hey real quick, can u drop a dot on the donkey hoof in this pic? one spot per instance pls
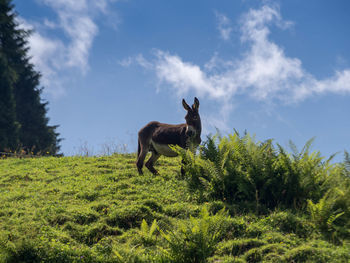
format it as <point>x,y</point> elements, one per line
<point>183,173</point>
<point>154,171</point>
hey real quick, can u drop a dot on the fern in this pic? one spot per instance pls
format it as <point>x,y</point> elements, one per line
<point>327,211</point>
<point>148,233</point>
<point>306,149</point>
<point>196,241</point>
<point>347,163</point>
<point>332,218</point>
<point>242,171</point>
<point>294,149</point>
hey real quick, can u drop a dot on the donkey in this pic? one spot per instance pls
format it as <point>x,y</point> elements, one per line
<point>156,137</point>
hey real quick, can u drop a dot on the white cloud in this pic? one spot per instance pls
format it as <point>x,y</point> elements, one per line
<point>76,21</point>
<point>67,5</point>
<point>183,76</point>
<point>81,30</point>
<point>264,72</point>
<point>224,26</point>
<point>47,56</point>
<point>52,55</point>
<point>138,59</point>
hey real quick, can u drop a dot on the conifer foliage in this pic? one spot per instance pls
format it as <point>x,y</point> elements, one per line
<point>23,121</point>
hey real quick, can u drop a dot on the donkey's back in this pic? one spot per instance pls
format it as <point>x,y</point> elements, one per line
<point>156,137</point>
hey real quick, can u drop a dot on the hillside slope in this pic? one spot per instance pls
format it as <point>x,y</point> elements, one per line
<point>98,209</point>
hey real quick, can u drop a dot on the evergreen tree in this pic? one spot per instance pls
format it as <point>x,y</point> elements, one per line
<point>35,134</point>
<point>8,124</point>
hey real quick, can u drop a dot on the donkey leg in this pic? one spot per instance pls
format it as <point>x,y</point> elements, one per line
<point>141,159</point>
<point>151,162</point>
<point>183,163</point>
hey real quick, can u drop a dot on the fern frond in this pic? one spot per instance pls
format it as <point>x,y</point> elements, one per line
<point>144,227</point>
<point>306,149</point>
<point>211,169</point>
<point>204,182</point>
<point>224,159</point>
<point>347,162</point>
<point>295,151</point>
<point>331,157</point>
<point>153,227</point>
<point>116,253</point>
<point>332,218</point>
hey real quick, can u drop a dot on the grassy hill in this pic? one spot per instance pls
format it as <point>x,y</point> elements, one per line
<point>98,209</point>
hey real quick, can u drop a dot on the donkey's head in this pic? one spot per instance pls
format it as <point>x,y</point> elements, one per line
<point>193,120</point>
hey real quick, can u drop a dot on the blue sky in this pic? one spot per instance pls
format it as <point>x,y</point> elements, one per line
<point>278,69</point>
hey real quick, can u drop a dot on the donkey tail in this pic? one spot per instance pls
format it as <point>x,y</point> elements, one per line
<point>138,148</point>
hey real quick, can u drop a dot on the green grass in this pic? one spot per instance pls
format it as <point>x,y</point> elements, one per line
<point>98,209</point>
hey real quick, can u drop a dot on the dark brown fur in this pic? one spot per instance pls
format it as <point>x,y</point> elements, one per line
<point>156,136</point>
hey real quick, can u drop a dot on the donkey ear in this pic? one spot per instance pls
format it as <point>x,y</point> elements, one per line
<point>186,106</point>
<point>195,106</point>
